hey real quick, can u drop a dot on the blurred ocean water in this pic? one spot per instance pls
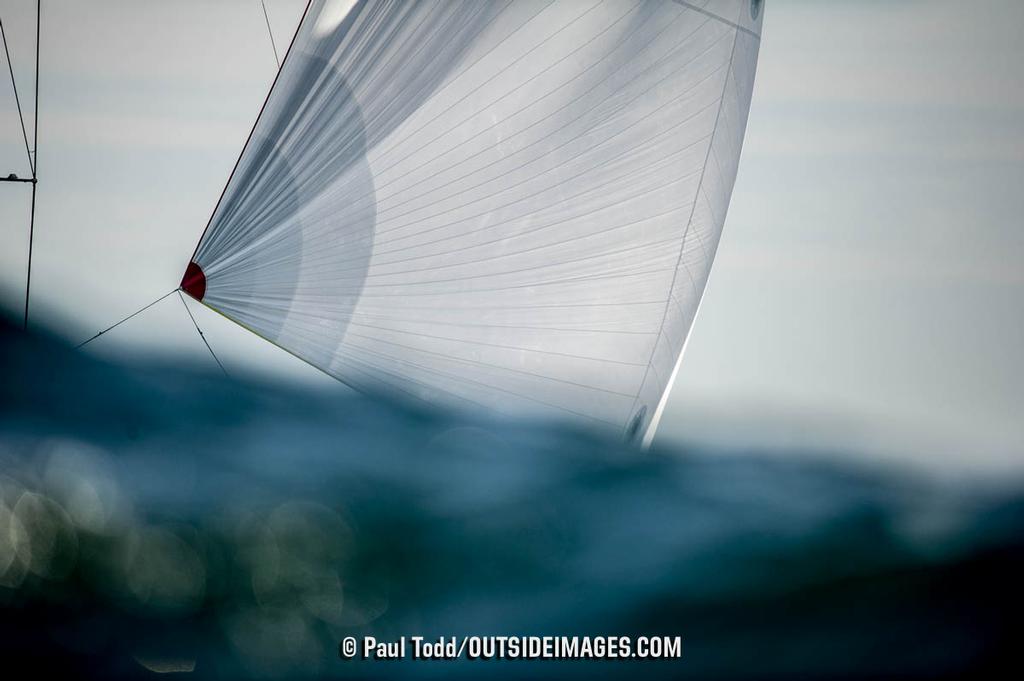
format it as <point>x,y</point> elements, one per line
<point>158,518</point>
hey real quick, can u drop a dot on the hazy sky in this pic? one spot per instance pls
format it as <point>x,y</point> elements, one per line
<point>869,287</point>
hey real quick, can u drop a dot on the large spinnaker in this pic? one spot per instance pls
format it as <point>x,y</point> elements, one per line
<point>512,205</point>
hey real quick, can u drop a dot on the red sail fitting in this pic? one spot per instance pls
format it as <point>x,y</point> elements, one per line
<point>194,281</point>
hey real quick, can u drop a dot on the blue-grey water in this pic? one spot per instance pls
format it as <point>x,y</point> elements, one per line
<point>155,517</point>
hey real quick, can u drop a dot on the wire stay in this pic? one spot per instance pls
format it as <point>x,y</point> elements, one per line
<point>273,45</point>
<point>34,157</point>
<point>17,99</point>
<point>113,326</point>
<point>196,324</point>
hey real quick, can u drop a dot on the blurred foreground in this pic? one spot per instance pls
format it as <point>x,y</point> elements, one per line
<point>157,518</point>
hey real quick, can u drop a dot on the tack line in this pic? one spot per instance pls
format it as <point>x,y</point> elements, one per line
<point>149,305</point>
<point>133,314</point>
<point>201,335</point>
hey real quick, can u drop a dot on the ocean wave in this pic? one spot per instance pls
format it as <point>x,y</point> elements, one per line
<point>155,517</point>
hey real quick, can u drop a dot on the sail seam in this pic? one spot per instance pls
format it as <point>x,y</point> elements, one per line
<point>714,16</point>
<point>689,222</point>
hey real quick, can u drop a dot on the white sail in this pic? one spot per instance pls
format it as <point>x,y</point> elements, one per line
<point>509,204</point>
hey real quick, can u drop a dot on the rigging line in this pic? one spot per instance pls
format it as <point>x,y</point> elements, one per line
<point>273,45</point>
<point>17,99</point>
<point>248,139</point>
<point>35,124</point>
<point>196,324</point>
<point>133,314</point>
<point>28,269</point>
<point>35,164</point>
